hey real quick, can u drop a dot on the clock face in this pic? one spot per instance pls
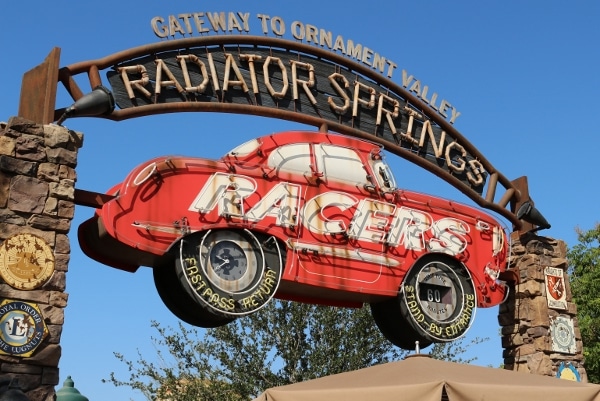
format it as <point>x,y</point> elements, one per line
<point>228,260</point>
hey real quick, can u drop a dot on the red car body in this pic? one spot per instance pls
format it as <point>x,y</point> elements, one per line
<point>302,216</point>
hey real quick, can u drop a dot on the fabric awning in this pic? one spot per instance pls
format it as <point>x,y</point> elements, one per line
<point>422,378</point>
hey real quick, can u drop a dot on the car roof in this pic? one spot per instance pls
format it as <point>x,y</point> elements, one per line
<point>268,143</point>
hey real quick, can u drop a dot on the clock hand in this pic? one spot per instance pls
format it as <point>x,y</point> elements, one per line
<point>225,262</point>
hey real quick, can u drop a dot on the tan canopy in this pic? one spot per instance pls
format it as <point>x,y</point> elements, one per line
<point>421,378</point>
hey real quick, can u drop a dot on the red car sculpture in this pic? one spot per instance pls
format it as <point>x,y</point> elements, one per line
<point>302,216</point>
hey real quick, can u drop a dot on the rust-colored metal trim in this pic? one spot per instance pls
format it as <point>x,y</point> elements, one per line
<point>513,193</point>
<point>523,187</point>
<point>91,199</point>
<point>511,275</point>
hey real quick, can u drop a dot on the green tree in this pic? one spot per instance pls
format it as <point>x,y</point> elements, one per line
<point>584,269</point>
<point>284,343</point>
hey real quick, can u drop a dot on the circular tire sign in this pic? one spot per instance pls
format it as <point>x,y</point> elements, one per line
<point>230,273</point>
<point>438,299</point>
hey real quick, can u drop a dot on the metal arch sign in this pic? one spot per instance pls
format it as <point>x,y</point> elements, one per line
<point>319,79</point>
<point>266,80</point>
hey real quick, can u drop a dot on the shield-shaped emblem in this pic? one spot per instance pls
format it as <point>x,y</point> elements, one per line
<point>555,286</point>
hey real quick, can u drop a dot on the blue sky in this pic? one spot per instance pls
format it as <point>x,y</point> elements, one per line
<point>524,76</point>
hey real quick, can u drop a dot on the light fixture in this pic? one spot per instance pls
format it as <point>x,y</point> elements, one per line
<point>527,212</point>
<point>96,103</point>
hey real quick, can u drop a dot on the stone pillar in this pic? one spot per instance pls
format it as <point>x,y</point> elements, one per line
<point>37,184</point>
<point>540,333</point>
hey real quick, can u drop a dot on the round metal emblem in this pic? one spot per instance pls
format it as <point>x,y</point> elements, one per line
<point>26,261</point>
<point>563,335</point>
<point>22,328</point>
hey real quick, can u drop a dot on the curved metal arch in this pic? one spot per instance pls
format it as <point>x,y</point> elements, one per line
<point>515,192</point>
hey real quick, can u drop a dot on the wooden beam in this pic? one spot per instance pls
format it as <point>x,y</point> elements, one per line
<point>38,90</point>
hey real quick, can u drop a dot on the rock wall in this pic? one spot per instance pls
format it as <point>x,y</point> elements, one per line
<point>540,333</point>
<point>37,182</point>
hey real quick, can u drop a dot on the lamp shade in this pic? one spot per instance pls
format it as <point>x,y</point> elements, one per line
<point>69,393</point>
<point>98,102</point>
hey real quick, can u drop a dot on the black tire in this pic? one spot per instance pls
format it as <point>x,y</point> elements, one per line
<point>178,301</point>
<point>436,303</point>
<point>231,273</point>
<point>439,298</point>
<point>395,327</point>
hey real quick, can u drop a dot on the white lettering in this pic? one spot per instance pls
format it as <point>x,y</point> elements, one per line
<point>228,191</point>
<point>449,236</point>
<point>314,219</point>
<point>368,220</point>
<point>281,202</point>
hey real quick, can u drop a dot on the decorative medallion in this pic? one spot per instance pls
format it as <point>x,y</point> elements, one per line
<point>556,293</point>
<point>567,371</point>
<point>563,335</point>
<point>26,261</point>
<point>22,328</point>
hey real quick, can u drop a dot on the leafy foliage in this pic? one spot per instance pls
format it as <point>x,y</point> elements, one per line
<point>584,262</point>
<point>284,343</point>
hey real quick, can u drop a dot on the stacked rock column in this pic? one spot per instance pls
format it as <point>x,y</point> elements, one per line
<point>540,333</point>
<point>37,185</point>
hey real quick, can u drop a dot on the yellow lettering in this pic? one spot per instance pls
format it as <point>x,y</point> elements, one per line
<point>475,176</point>
<point>284,78</point>
<point>379,62</point>
<point>311,33</point>
<point>175,26</point>
<point>217,21</point>
<point>444,106</point>
<point>161,67</point>
<point>229,65</point>
<point>368,104</point>
<point>213,72</point>
<point>427,130</point>
<point>352,50</point>
<point>159,29</point>
<point>306,84</point>
<point>183,60</point>
<point>233,23</point>
<point>277,26</point>
<point>186,20</point>
<point>390,115</point>
<point>325,38</point>
<point>452,164</point>
<point>250,59</point>
<point>200,22</point>
<point>339,44</point>
<point>367,54</point>
<point>263,22</point>
<point>137,84</point>
<point>333,79</point>
<point>298,30</point>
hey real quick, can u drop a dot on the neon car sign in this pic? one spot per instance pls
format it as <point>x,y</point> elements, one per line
<point>303,216</point>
